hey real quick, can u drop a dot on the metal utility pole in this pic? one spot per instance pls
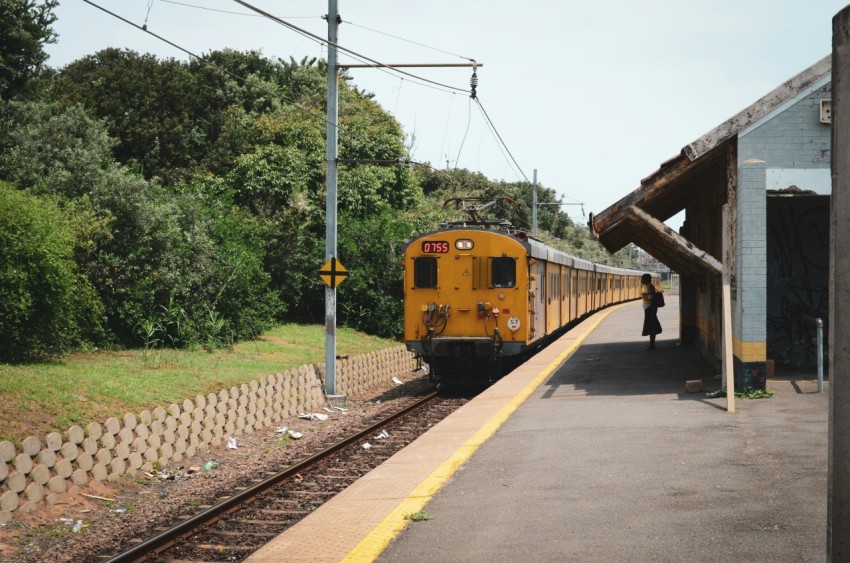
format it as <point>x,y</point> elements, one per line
<point>330,209</point>
<point>333,272</point>
<point>534,205</point>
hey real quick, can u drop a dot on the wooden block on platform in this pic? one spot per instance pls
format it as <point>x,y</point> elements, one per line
<point>693,385</point>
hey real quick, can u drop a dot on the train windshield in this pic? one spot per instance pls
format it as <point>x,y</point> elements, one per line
<point>503,272</point>
<point>425,272</point>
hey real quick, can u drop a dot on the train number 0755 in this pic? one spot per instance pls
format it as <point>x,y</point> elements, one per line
<point>435,247</point>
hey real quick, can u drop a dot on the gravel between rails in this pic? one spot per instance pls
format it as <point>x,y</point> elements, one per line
<point>141,504</point>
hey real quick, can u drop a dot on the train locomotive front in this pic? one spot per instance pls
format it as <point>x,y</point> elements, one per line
<point>466,309</point>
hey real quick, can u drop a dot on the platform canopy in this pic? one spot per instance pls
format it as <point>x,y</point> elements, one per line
<point>701,178</point>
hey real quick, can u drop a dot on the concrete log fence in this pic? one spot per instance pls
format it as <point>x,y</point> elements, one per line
<point>44,468</point>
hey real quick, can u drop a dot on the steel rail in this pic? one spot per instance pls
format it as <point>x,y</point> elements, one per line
<point>154,546</point>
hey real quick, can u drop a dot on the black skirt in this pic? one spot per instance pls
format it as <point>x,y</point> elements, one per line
<point>650,321</point>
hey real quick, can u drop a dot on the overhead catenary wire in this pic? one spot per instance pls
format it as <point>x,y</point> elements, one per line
<point>344,49</point>
<point>501,147</point>
<point>241,79</point>
<point>147,15</point>
<point>410,41</point>
<point>465,133</point>
<point>231,12</point>
<point>491,126</point>
<point>309,111</point>
<point>501,141</point>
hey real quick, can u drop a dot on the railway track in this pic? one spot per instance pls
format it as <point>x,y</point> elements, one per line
<point>240,524</point>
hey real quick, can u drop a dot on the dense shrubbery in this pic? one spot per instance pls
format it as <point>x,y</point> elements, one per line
<point>47,306</point>
<point>182,207</point>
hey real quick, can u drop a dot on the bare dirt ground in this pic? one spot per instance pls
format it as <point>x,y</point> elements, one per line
<point>110,513</point>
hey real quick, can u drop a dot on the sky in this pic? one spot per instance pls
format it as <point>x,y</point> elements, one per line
<point>592,94</point>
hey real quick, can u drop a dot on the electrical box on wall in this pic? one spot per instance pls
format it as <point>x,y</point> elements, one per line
<point>826,111</point>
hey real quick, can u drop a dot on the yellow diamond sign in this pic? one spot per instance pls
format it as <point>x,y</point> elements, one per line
<point>333,273</point>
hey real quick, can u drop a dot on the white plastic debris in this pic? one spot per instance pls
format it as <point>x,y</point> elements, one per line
<point>397,381</point>
<point>327,409</point>
<point>383,434</point>
<point>312,416</point>
<point>367,445</point>
<point>232,443</point>
<point>281,429</point>
<point>295,434</point>
<point>77,527</point>
<point>341,409</point>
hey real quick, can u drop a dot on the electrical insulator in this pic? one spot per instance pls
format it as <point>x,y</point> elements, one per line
<point>473,83</point>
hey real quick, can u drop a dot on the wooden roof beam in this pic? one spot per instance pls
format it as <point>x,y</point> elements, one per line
<point>678,245</point>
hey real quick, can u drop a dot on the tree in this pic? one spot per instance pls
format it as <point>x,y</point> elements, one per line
<point>54,150</point>
<point>146,104</point>
<point>180,261</point>
<point>371,297</point>
<point>46,306</point>
<point>25,29</point>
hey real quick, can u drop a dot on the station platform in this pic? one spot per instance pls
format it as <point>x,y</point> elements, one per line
<point>593,451</point>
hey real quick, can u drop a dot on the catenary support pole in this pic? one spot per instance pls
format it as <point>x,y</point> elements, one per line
<point>728,363</point>
<point>534,205</point>
<point>838,480</point>
<point>330,209</point>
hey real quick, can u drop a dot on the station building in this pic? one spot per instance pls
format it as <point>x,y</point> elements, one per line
<point>768,167</point>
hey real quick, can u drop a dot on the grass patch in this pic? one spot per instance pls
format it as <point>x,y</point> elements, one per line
<point>420,516</point>
<point>748,393</point>
<point>43,397</point>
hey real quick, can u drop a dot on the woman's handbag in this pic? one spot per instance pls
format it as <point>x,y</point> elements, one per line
<point>658,299</point>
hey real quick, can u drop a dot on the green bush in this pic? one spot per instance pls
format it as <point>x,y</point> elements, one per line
<point>46,305</point>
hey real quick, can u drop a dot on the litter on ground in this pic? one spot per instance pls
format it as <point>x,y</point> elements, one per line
<point>312,416</point>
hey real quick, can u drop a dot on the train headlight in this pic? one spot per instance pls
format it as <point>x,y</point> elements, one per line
<point>464,244</point>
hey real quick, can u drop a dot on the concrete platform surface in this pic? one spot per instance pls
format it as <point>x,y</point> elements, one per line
<point>593,451</point>
<point>610,460</point>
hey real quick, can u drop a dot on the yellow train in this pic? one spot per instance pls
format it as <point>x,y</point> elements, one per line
<point>478,298</point>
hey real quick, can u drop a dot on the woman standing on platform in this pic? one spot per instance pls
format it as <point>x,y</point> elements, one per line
<point>651,326</point>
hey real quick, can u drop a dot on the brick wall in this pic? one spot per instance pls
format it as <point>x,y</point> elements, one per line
<point>790,138</point>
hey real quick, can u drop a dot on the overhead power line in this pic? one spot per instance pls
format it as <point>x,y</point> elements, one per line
<point>309,111</point>
<point>502,146</point>
<point>231,12</point>
<point>502,141</point>
<point>409,41</point>
<point>351,52</point>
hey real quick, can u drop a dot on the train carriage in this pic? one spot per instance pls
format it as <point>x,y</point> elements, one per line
<point>480,297</point>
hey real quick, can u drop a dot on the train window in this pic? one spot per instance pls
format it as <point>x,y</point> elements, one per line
<point>425,272</point>
<point>503,272</point>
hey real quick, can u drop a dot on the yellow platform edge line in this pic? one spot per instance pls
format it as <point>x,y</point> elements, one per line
<point>381,535</point>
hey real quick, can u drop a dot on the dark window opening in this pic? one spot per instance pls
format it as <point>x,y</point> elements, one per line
<point>425,272</point>
<point>503,272</point>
